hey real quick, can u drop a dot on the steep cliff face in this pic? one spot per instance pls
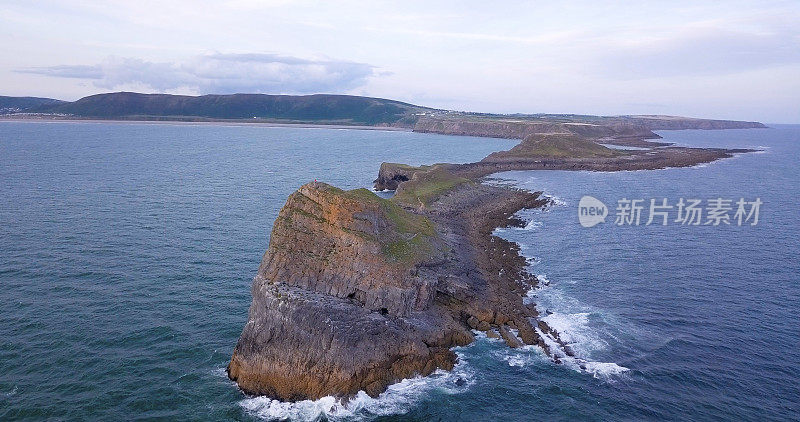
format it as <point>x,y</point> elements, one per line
<point>353,245</point>
<point>343,300</point>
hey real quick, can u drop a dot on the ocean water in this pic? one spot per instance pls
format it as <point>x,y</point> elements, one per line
<point>127,251</point>
<point>677,322</point>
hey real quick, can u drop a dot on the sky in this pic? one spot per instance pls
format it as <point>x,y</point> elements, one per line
<point>713,59</point>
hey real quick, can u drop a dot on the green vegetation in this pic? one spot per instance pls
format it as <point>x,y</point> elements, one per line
<point>560,146</point>
<point>409,251</point>
<point>14,104</point>
<point>426,187</point>
<point>412,239</point>
<point>319,108</point>
<point>404,221</point>
<point>411,168</point>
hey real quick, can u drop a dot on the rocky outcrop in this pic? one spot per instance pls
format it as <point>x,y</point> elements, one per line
<point>557,152</point>
<point>655,122</point>
<point>354,245</point>
<point>391,175</point>
<point>520,128</point>
<point>355,292</point>
<point>619,128</point>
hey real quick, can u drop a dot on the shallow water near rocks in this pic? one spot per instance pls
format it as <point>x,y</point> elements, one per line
<point>127,250</point>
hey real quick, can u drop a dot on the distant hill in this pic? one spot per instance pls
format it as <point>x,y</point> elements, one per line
<point>348,110</point>
<point>21,104</point>
<point>298,108</point>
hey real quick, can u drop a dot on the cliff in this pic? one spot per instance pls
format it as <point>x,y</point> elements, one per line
<point>656,122</point>
<point>356,292</point>
<point>520,128</point>
<point>619,129</point>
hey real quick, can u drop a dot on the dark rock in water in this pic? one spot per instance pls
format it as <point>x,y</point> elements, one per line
<point>460,381</point>
<point>509,337</point>
<point>528,334</point>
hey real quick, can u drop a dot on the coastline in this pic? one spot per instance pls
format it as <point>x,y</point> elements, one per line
<point>210,122</point>
<point>402,281</point>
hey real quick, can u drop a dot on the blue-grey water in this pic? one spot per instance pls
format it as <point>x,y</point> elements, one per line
<point>127,250</point>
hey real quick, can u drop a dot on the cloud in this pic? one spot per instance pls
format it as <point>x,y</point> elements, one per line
<point>702,51</point>
<point>66,71</point>
<point>221,74</point>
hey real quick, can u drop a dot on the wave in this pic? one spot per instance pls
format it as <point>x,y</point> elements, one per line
<point>564,314</point>
<point>532,225</point>
<point>555,200</point>
<point>534,355</point>
<point>399,398</point>
<point>571,320</point>
<point>600,370</point>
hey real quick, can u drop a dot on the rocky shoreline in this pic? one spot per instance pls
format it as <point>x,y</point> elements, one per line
<point>356,292</point>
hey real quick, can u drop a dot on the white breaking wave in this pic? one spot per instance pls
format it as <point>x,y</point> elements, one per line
<point>599,370</point>
<point>533,355</point>
<point>575,330</point>
<point>399,398</point>
<point>523,356</point>
<point>555,200</point>
<point>532,225</point>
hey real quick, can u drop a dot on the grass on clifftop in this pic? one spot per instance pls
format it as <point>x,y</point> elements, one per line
<point>559,146</point>
<point>404,221</point>
<point>425,188</point>
<point>412,240</point>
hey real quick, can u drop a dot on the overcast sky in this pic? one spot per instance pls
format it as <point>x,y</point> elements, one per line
<point>717,59</point>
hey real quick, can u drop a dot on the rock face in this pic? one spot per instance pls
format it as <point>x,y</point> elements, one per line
<point>356,292</point>
<point>354,245</point>
<point>344,299</point>
<point>521,128</point>
<point>391,175</point>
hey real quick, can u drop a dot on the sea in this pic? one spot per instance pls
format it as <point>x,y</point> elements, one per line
<point>127,251</point>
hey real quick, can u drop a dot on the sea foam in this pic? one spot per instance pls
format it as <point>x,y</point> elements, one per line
<point>399,398</point>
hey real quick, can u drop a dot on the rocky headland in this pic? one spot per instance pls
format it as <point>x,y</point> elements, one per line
<point>356,292</point>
